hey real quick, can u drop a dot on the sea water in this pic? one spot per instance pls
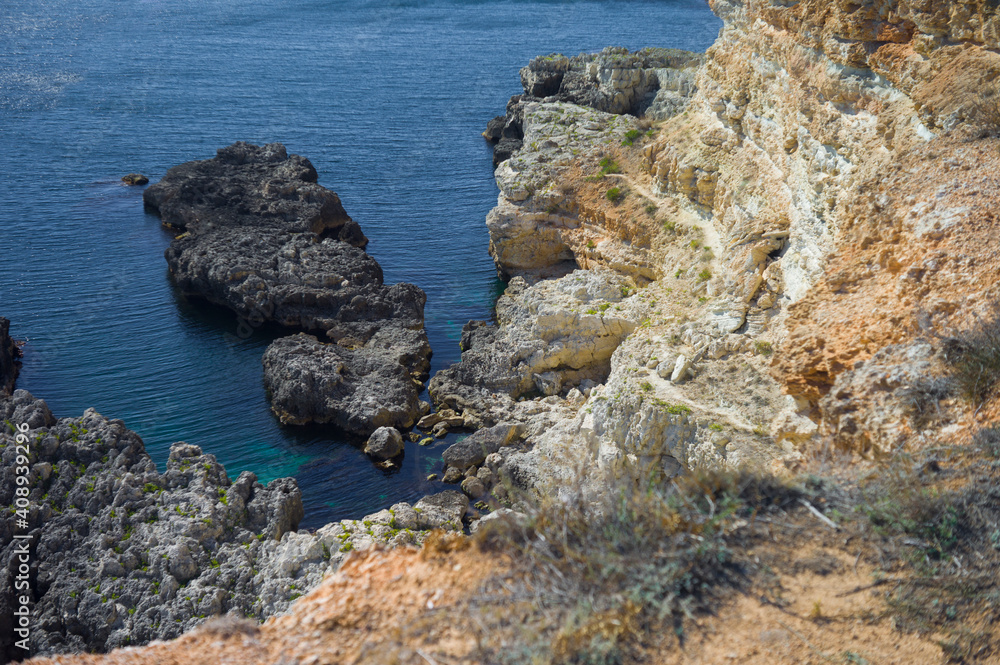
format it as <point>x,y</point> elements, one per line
<point>387,99</point>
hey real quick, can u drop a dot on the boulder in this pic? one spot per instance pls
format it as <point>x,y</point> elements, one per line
<point>473,450</point>
<point>442,511</point>
<point>357,390</point>
<point>135,179</point>
<point>385,443</point>
<point>473,487</point>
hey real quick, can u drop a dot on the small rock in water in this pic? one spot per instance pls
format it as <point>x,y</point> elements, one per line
<point>385,443</point>
<point>135,179</point>
<point>473,487</point>
<point>453,475</point>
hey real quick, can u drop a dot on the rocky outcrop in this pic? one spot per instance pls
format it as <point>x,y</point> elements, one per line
<point>9,354</point>
<point>359,390</point>
<point>122,554</point>
<point>826,193</point>
<point>652,82</point>
<point>261,237</point>
<point>549,338</point>
<point>385,443</point>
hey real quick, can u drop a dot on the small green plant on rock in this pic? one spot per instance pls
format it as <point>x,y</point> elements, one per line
<point>615,194</point>
<point>630,136</point>
<point>609,165</point>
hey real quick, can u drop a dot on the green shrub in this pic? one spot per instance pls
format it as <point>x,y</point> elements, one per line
<point>615,194</point>
<point>630,136</point>
<point>609,165</point>
<point>597,575</point>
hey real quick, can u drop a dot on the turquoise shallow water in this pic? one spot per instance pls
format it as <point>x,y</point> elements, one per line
<point>387,99</point>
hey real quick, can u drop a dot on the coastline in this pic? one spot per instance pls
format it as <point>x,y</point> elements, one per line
<point>693,331</point>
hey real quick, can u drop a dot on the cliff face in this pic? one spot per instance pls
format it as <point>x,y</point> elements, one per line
<point>862,130</point>
<point>823,192</point>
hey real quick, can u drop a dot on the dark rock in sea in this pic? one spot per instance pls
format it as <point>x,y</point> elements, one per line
<point>113,541</point>
<point>494,128</point>
<point>357,389</point>
<point>9,354</point>
<point>135,179</point>
<point>265,240</point>
<point>384,443</point>
<point>248,186</point>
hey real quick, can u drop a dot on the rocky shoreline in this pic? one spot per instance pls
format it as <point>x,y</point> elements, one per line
<point>123,554</point>
<point>691,242</point>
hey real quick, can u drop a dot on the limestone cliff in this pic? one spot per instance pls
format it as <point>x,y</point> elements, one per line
<point>805,231</point>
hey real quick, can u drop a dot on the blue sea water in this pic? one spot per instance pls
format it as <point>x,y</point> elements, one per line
<point>386,98</point>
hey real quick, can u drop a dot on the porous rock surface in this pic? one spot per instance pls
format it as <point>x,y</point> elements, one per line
<point>359,390</point>
<point>652,81</point>
<point>264,239</point>
<point>549,337</point>
<point>123,554</point>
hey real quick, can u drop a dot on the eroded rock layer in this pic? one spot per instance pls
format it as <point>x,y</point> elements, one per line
<point>822,203</point>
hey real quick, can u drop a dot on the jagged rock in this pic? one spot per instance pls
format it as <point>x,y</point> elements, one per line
<point>123,554</point>
<point>473,449</point>
<point>358,390</point>
<point>551,335</point>
<point>442,511</point>
<point>9,354</point>
<point>494,128</point>
<point>264,239</point>
<point>473,487</point>
<point>135,179</point>
<point>104,524</point>
<point>246,185</point>
<point>385,443</point>
<point>652,81</point>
